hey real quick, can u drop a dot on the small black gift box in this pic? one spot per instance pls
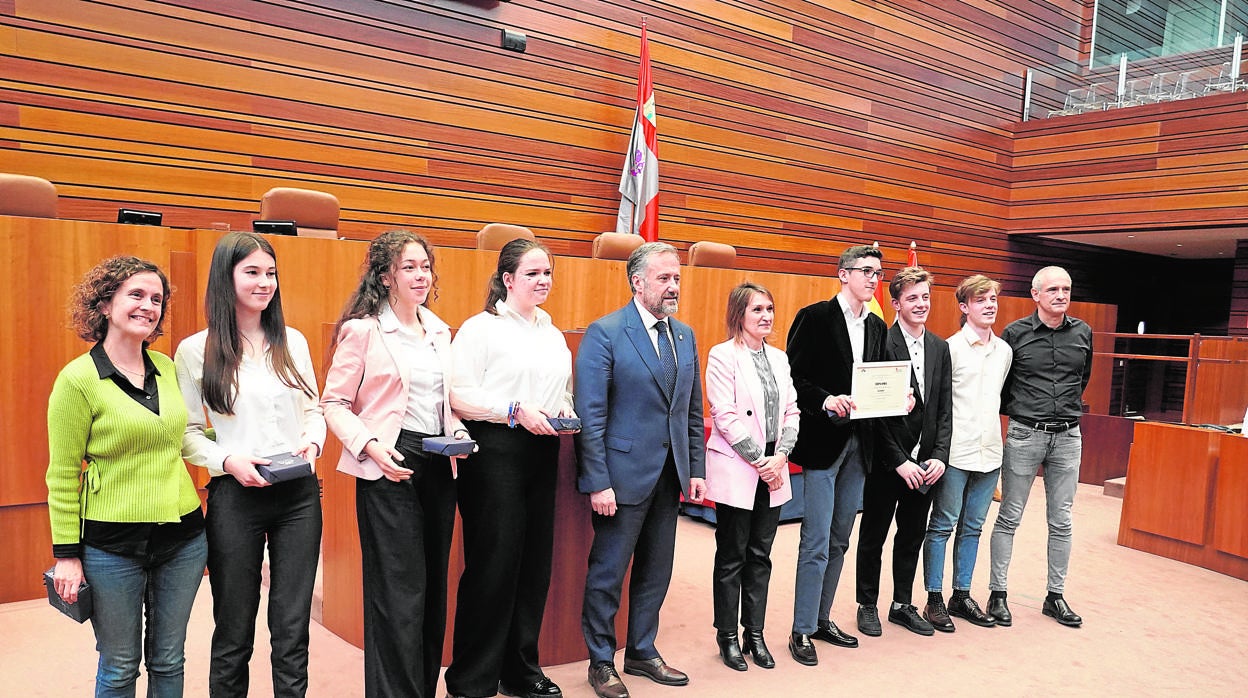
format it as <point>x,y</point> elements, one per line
<point>79,610</point>
<point>283,467</point>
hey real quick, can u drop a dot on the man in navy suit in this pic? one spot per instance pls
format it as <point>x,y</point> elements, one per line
<point>911,452</point>
<point>639,397</point>
<point>825,341</point>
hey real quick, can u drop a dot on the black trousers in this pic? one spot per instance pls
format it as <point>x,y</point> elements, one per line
<point>405,545</point>
<point>743,539</point>
<point>885,496</point>
<point>240,522</point>
<point>507,506</point>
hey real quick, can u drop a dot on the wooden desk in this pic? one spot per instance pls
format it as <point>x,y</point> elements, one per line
<point>1187,497</point>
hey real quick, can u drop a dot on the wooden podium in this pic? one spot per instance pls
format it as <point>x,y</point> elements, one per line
<point>1187,497</point>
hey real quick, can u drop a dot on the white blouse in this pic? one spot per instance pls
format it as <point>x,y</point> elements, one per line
<point>500,359</point>
<point>269,416</point>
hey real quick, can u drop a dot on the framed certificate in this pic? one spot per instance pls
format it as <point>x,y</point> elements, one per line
<point>879,389</point>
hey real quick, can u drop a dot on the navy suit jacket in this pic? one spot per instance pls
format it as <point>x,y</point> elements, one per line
<point>822,359</point>
<point>930,423</point>
<point>628,421</point>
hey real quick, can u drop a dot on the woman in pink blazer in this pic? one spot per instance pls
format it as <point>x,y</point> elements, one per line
<point>387,388</point>
<point>754,408</point>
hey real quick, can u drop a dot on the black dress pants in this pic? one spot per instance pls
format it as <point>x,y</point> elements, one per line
<point>240,522</point>
<point>507,506</point>
<point>743,539</point>
<point>884,496</point>
<point>405,545</point>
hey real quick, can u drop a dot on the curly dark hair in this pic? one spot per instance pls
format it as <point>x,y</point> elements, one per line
<point>97,288</point>
<point>383,253</point>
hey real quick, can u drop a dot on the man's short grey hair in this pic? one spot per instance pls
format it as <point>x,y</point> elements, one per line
<point>639,260</point>
<point>1035,280</point>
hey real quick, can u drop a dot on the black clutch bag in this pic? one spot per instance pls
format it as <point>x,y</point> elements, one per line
<point>447,445</point>
<point>79,610</point>
<point>284,466</point>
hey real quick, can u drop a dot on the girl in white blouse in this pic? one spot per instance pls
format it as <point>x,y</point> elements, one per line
<point>252,378</point>
<point>513,370</point>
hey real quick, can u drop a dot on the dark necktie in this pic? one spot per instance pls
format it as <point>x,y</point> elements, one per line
<point>667,357</point>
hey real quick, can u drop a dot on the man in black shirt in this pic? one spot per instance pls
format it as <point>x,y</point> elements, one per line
<point>1043,398</point>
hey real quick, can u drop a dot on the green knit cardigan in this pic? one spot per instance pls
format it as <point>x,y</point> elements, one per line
<point>135,472</point>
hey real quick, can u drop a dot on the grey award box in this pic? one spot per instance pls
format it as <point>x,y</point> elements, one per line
<point>283,467</point>
<point>448,445</point>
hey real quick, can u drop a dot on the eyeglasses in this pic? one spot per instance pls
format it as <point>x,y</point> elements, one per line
<point>868,272</point>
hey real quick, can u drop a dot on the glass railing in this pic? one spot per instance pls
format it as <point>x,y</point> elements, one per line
<point>1069,89</point>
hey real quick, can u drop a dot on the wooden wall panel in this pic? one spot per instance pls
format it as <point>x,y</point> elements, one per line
<point>1152,167</point>
<point>789,131</point>
<point>1238,321</point>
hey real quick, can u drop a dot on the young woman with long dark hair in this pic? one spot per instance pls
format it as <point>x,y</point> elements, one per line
<point>251,377</point>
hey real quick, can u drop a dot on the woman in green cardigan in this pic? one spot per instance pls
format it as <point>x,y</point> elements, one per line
<point>131,523</point>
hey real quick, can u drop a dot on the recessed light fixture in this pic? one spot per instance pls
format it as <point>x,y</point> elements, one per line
<point>1179,244</point>
<point>1130,236</point>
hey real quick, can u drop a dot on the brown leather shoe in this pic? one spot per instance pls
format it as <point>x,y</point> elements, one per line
<point>606,682</point>
<point>656,670</point>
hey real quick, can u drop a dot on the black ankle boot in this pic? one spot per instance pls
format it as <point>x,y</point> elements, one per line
<point>753,644</point>
<point>730,650</point>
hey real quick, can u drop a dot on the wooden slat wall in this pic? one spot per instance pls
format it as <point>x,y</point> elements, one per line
<point>1172,165</point>
<point>788,129</point>
<point>1239,292</point>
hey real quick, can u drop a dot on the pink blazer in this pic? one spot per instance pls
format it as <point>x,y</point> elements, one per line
<point>365,394</point>
<point>737,411</point>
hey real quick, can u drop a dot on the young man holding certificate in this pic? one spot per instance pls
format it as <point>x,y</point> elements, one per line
<point>911,451</point>
<point>825,341</point>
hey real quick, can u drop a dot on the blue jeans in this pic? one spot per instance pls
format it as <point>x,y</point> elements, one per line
<point>960,498</point>
<point>1025,450</point>
<point>832,500</point>
<point>126,591</point>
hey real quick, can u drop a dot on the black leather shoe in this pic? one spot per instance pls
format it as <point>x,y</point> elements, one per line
<point>869,621</point>
<point>542,688</point>
<point>908,617</point>
<point>802,649</point>
<point>730,651</point>
<point>998,610</point>
<point>606,682</point>
<point>656,670</point>
<point>965,607</point>
<point>828,632</point>
<point>936,614</point>
<point>753,644</point>
<point>1059,610</point>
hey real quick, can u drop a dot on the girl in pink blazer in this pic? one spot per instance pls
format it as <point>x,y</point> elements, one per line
<point>754,409</point>
<point>387,388</point>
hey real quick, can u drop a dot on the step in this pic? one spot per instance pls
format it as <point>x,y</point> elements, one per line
<point>1115,487</point>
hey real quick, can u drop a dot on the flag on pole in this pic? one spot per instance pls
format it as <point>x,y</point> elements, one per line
<point>912,256</point>
<point>639,182</point>
<point>876,304</point>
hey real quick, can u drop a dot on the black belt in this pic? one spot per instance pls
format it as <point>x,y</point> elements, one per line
<point>1047,427</point>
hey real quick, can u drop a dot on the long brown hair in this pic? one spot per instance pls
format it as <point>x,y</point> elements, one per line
<point>223,348</point>
<point>371,295</point>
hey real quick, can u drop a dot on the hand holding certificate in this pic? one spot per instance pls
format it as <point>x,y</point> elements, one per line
<point>880,389</point>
